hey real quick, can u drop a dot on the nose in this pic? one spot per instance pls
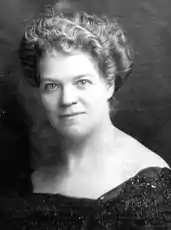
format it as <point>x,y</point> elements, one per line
<point>68,96</point>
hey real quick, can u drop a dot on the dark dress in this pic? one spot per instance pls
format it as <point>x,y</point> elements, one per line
<point>140,203</point>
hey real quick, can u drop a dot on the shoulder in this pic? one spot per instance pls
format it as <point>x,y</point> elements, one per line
<point>147,158</point>
<point>140,156</point>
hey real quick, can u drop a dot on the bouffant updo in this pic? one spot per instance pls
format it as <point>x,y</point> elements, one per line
<point>69,33</point>
<point>101,37</point>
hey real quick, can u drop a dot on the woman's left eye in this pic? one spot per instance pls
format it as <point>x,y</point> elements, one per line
<point>83,82</point>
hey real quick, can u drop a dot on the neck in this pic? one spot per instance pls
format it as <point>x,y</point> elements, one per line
<point>73,151</point>
<point>94,147</point>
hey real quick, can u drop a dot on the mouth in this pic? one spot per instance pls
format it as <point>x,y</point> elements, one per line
<point>68,115</point>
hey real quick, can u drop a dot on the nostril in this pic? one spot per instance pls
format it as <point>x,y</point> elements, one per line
<point>73,103</point>
<point>68,104</point>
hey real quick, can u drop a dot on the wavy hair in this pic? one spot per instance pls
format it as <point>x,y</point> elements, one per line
<point>54,31</point>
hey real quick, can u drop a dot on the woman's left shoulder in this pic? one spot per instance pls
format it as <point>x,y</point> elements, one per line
<point>141,156</point>
<point>146,157</point>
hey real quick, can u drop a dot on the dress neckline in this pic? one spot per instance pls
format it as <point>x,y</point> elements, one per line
<point>106,196</point>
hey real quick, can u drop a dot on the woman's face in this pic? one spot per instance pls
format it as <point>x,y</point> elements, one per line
<point>74,95</point>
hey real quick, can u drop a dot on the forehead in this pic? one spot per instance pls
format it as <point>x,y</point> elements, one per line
<point>60,65</point>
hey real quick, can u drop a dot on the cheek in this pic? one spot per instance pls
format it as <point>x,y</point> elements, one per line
<point>49,102</point>
<point>99,95</point>
<point>96,100</point>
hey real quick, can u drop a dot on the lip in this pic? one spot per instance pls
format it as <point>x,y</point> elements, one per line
<point>69,115</point>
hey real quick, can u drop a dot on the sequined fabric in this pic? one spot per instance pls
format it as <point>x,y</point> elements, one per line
<point>141,203</point>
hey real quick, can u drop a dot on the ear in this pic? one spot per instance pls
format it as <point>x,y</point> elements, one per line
<point>110,90</point>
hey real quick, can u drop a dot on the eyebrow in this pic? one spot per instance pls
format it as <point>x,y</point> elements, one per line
<point>76,77</point>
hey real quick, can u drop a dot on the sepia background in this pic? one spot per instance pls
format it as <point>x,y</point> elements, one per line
<point>144,109</point>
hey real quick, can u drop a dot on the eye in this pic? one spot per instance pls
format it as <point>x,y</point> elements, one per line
<point>83,83</point>
<point>51,86</point>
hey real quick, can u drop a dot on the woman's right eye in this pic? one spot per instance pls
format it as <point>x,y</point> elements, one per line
<point>51,86</point>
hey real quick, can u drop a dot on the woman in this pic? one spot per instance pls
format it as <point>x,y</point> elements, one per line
<point>87,174</point>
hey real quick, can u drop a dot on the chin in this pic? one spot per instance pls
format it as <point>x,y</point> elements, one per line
<point>72,132</point>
